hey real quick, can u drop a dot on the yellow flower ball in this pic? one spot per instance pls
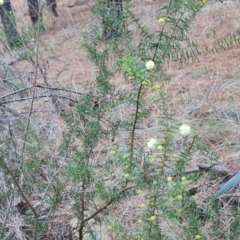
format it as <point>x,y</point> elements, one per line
<point>184,225</point>
<point>153,159</point>
<point>140,221</point>
<point>110,228</point>
<point>1,2</point>
<point>152,218</point>
<point>161,20</point>
<point>150,65</point>
<point>156,87</point>
<point>127,175</point>
<point>142,205</point>
<point>145,83</point>
<point>179,197</point>
<point>160,148</point>
<point>183,178</point>
<point>175,155</point>
<point>198,237</point>
<point>113,153</point>
<point>127,166</point>
<point>169,179</point>
<point>139,191</point>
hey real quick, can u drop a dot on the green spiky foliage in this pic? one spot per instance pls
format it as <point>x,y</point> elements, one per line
<point>106,168</point>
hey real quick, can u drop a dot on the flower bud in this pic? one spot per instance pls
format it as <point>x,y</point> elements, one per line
<point>161,20</point>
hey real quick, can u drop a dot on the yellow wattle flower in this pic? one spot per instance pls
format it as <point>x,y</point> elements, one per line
<point>161,20</point>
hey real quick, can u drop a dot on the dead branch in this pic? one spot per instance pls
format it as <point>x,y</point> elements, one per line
<point>214,168</point>
<point>40,86</point>
<point>35,97</point>
<point>206,167</point>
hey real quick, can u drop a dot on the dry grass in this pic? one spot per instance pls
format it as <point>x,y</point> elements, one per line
<point>204,94</point>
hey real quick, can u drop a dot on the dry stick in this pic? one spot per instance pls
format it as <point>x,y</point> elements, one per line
<point>29,116</point>
<point>92,216</point>
<point>4,222</point>
<point>80,231</point>
<point>98,211</point>
<point>21,115</point>
<point>30,113</point>
<point>19,188</point>
<point>54,207</point>
<point>105,206</point>
<point>58,89</point>
<point>45,192</point>
<point>135,121</point>
<point>33,98</point>
<point>201,167</point>
<point>36,96</point>
<point>40,86</point>
<point>49,184</point>
<point>43,72</point>
<point>192,170</point>
<point>11,111</point>
<point>207,167</point>
<point>10,130</point>
<point>9,234</point>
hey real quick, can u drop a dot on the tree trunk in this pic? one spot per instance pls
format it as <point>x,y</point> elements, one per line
<point>53,5</point>
<point>9,24</point>
<point>35,13</point>
<point>112,19</point>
